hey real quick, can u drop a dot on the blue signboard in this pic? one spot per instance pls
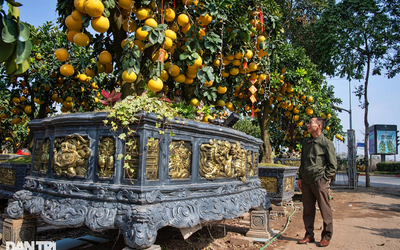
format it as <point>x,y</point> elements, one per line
<point>360,144</point>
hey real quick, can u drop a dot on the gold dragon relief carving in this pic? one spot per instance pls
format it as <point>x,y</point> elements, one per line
<point>70,155</point>
<point>45,156</point>
<point>289,182</point>
<point>221,159</point>
<point>152,159</point>
<point>105,157</point>
<point>180,160</point>
<point>37,163</point>
<point>269,183</point>
<point>7,176</point>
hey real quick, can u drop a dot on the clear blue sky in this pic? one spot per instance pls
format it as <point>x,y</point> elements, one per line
<point>384,98</point>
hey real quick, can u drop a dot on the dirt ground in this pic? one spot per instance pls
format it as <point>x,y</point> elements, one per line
<point>366,218</point>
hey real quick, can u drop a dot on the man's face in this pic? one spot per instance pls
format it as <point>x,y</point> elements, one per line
<point>313,125</point>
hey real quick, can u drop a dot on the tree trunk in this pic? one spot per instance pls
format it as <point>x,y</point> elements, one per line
<point>367,179</point>
<point>263,121</point>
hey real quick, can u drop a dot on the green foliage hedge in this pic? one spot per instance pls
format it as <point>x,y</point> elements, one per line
<point>388,166</point>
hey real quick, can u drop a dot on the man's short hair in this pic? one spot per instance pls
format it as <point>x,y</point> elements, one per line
<point>320,120</point>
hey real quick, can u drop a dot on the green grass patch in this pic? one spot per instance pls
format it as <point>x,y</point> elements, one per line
<point>26,159</point>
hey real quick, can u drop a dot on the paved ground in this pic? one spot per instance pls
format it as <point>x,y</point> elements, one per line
<point>366,218</point>
<point>380,181</point>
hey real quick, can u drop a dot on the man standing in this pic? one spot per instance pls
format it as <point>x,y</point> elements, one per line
<point>318,165</point>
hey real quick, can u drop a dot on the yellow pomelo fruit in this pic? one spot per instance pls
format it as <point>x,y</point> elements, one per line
<point>109,68</point>
<point>16,120</point>
<point>310,99</point>
<point>61,54</point>
<point>155,86</point>
<point>206,118</point>
<point>142,13</point>
<point>151,22</point>
<point>129,25</point>
<point>100,24</point>
<point>174,70</point>
<point>164,75</point>
<point>82,77</point>
<point>77,15</point>
<point>90,72</point>
<point>81,39</point>
<point>169,15</point>
<point>67,70</point>
<point>260,39</point>
<point>188,80</point>
<point>72,24</point>
<point>217,62</point>
<point>126,77</point>
<point>234,71</point>
<point>187,2</point>
<point>222,90</point>
<point>195,102</point>
<point>205,19</point>
<point>28,110</point>
<point>140,34</point>
<point>186,28</point>
<point>71,35</point>
<point>167,43</point>
<point>229,105</point>
<point>100,67</point>
<point>249,54</point>
<point>220,103</point>
<point>197,63</point>
<point>126,4</point>
<point>80,5</point>
<point>238,55</point>
<point>105,57</point>
<point>180,78</point>
<point>94,8</point>
<point>236,62</point>
<point>183,19</point>
<point>171,34</point>
<point>140,45</point>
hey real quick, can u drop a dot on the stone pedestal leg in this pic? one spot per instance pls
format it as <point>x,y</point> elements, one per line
<point>19,230</point>
<point>259,225</point>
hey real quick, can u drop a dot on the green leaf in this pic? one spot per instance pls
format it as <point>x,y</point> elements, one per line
<point>10,30</point>
<point>146,28</point>
<point>6,50</point>
<point>122,136</point>
<point>23,51</point>
<point>183,56</point>
<point>13,3</point>
<point>153,38</point>
<point>24,66</point>
<point>120,156</point>
<point>161,27</point>
<point>160,37</point>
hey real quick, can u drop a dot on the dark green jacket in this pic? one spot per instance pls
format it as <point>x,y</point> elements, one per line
<point>318,159</point>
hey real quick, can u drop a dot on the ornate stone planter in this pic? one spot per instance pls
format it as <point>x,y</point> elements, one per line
<point>291,162</point>
<point>12,178</point>
<point>203,173</point>
<point>279,183</point>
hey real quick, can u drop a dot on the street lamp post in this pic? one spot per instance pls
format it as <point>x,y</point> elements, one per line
<point>351,156</point>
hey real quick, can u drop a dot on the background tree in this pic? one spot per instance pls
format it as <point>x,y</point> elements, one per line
<point>355,35</point>
<point>299,18</point>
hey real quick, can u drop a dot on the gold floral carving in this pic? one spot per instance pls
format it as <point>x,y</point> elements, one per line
<point>132,159</point>
<point>7,176</point>
<point>152,159</point>
<point>221,159</point>
<point>37,161</point>
<point>105,157</point>
<point>269,183</point>
<point>70,155</point>
<point>179,160</point>
<point>289,181</point>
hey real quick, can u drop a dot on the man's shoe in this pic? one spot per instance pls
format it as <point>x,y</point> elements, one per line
<point>306,240</point>
<point>324,243</point>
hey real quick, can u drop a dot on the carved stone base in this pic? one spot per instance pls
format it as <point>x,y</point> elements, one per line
<point>19,230</point>
<point>138,223</point>
<point>259,225</point>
